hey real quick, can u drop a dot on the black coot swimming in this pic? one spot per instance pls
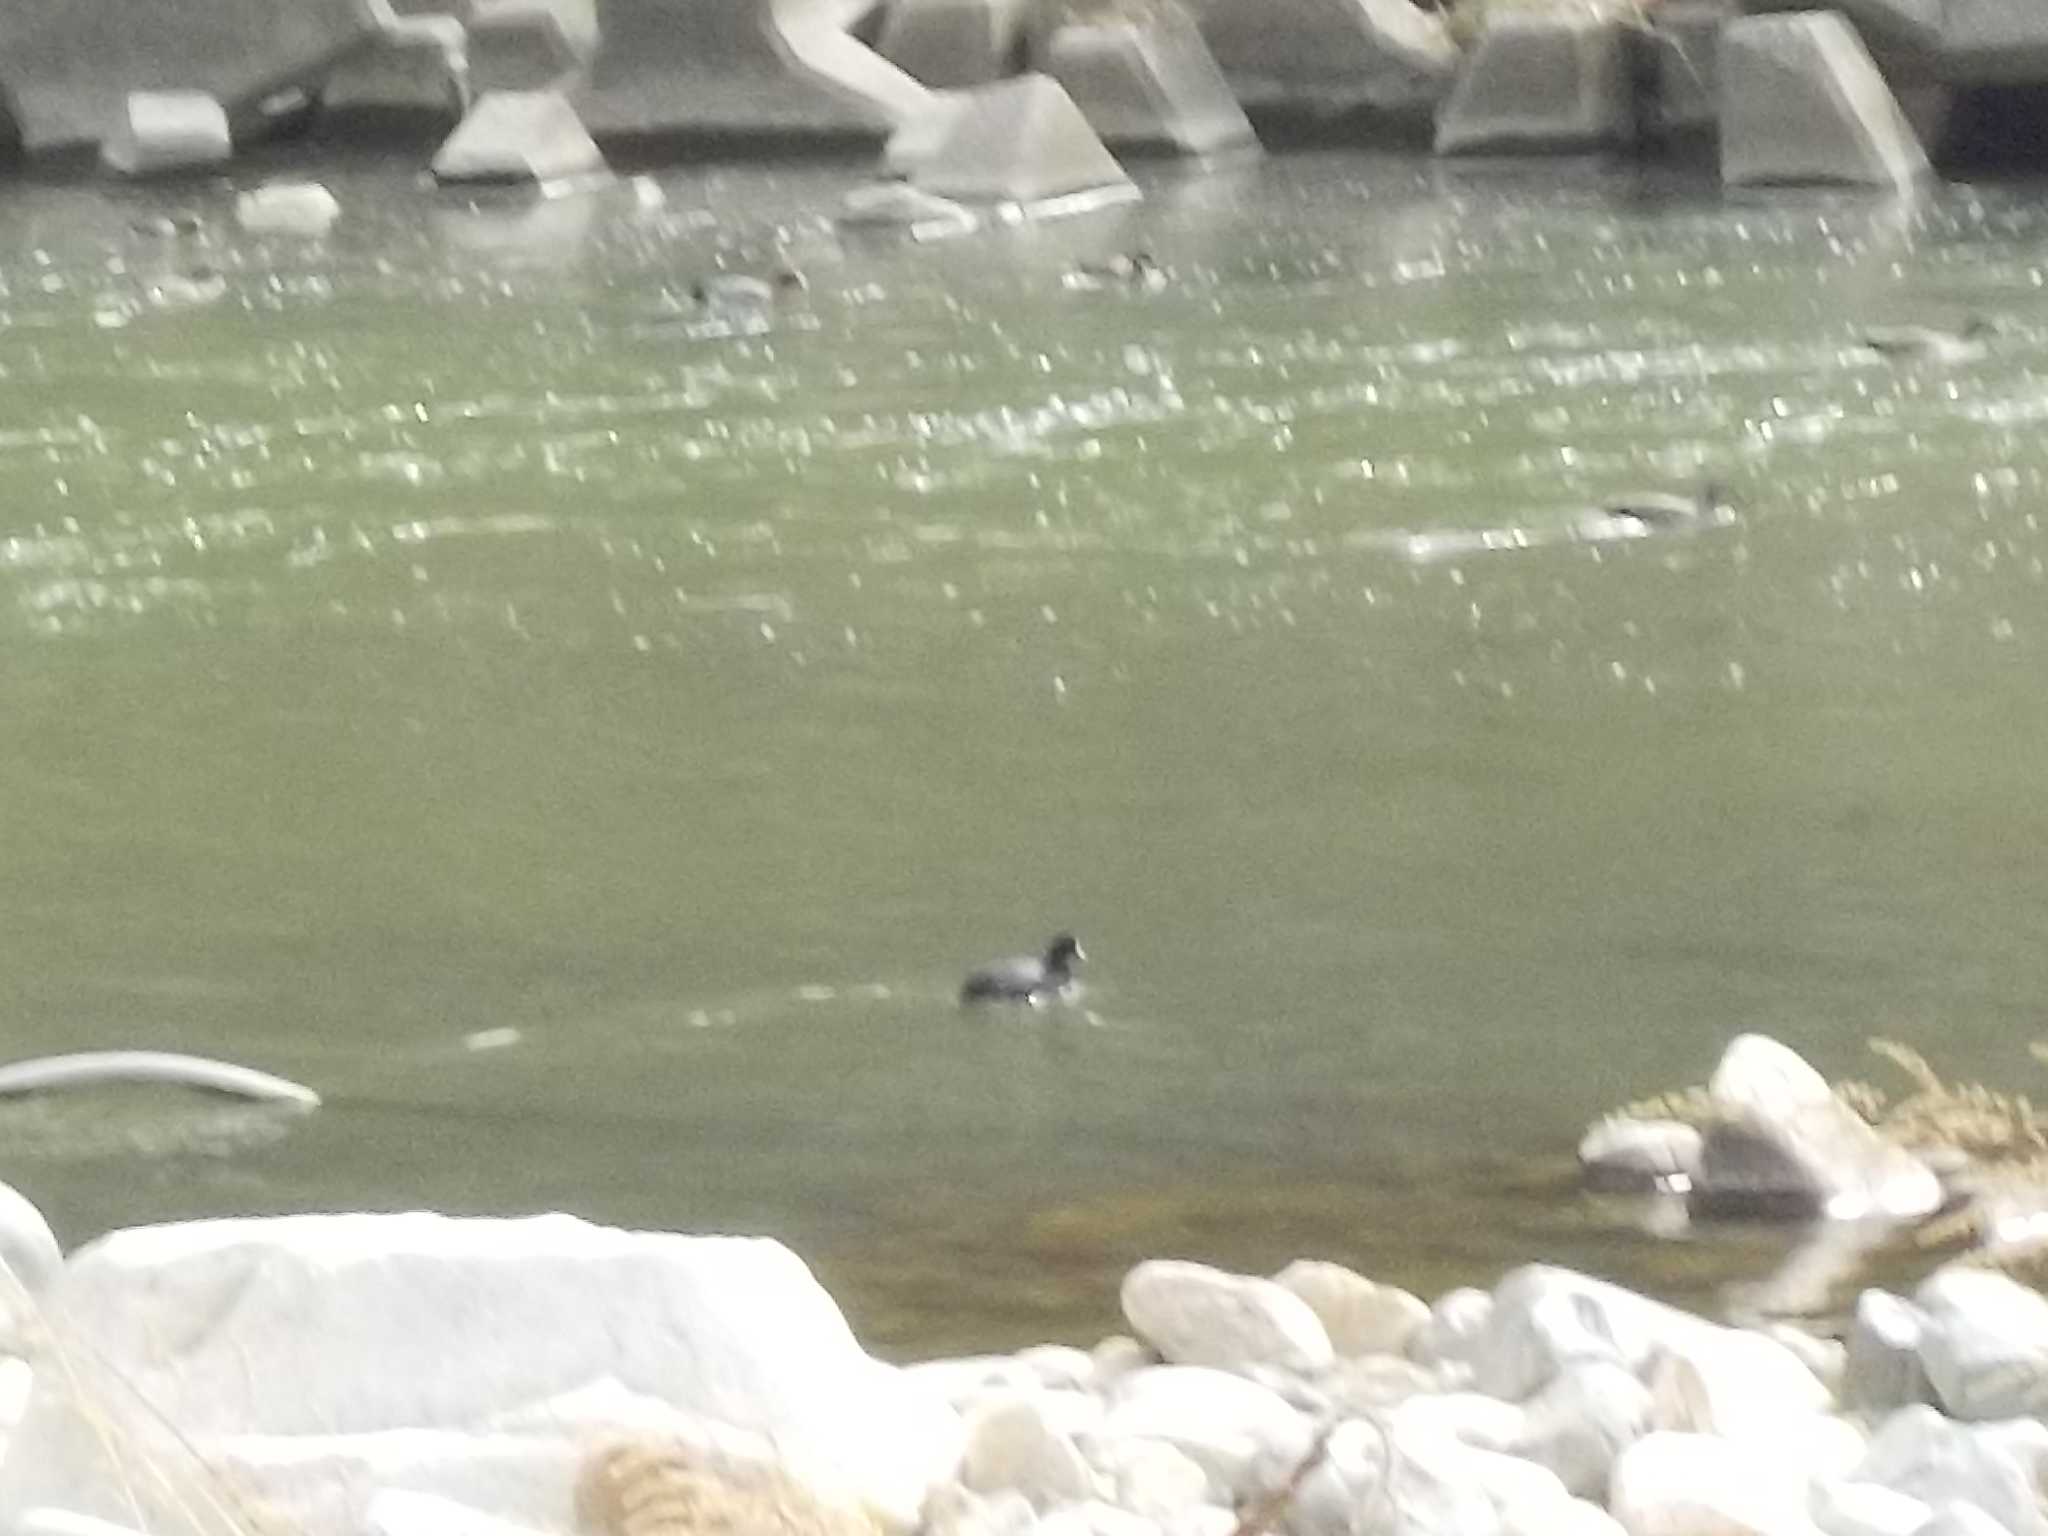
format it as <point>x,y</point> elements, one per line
<point>1026,979</point>
<point>1662,509</point>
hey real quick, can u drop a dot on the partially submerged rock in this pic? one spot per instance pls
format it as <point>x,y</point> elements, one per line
<point>1624,1155</point>
<point>1801,102</point>
<point>1196,1315</point>
<point>1542,80</point>
<point>308,1352</point>
<point>287,208</point>
<point>1148,81</point>
<point>162,133</point>
<point>519,137</point>
<point>1022,141</point>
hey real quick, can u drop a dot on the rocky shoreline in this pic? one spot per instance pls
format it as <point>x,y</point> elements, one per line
<point>416,1373</point>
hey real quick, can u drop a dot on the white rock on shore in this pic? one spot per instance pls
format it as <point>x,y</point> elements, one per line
<point>522,1346</point>
<point>1195,1315</point>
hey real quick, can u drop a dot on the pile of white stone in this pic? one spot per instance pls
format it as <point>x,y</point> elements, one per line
<point>415,1374</point>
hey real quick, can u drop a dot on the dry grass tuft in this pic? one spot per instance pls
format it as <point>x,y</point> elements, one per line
<point>2001,1130</point>
<point>653,1487</point>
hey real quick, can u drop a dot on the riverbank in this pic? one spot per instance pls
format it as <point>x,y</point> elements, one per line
<point>418,1373</point>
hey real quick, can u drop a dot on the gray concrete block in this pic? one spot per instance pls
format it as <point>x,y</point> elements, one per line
<point>1148,83</point>
<point>67,66</point>
<point>1801,102</point>
<point>1684,43</point>
<point>519,136</point>
<point>1020,140</point>
<point>1328,56</point>
<point>162,133</point>
<point>529,45</point>
<point>951,43</point>
<point>417,68</point>
<point>739,68</point>
<point>1542,81</point>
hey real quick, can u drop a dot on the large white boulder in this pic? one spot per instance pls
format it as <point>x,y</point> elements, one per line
<point>1847,1508</point>
<point>1331,56</point>
<point>1669,1484</point>
<point>1224,1424</point>
<point>1882,1368</point>
<point>1456,1331</point>
<point>1015,1442</point>
<point>1021,140</point>
<point>1984,1343</point>
<point>1544,1318</point>
<point>1635,1156</point>
<point>28,1248</point>
<point>1589,1414</point>
<point>161,133</point>
<point>1542,80</point>
<point>1801,101</point>
<point>1782,1143</point>
<point>1146,80</point>
<point>1918,1452</point>
<point>310,1341</point>
<point>1360,1316</point>
<point>1732,1383</point>
<point>1195,1315</point>
<point>519,136</point>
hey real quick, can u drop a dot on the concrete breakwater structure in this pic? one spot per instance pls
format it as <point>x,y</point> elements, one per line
<point>1870,94</point>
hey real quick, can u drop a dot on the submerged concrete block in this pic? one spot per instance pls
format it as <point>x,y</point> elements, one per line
<point>68,66</point>
<point>1148,82</point>
<point>529,45</point>
<point>1801,102</point>
<point>1020,140</point>
<point>954,42</point>
<point>1330,56</point>
<point>161,133</point>
<point>519,136</point>
<point>1542,81</point>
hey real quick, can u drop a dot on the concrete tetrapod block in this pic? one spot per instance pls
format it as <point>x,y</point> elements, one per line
<point>1020,140</point>
<point>1329,56</point>
<point>1541,81</point>
<point>163,132</point>
<point>518,136</point>
<point>416,69</point>
<point>67,66</point>
<point>1905,34</point>
<point>529,45</point>
<point>1801,102</point>
<point>1148,82</point>
<point>947,43</point>
<point>780,68</point>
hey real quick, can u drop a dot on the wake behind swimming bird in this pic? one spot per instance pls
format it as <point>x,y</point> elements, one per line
<point>1036,980</point>
<point>1633,515</point>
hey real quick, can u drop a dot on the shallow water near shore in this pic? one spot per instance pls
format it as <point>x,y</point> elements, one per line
<point>588,741</point>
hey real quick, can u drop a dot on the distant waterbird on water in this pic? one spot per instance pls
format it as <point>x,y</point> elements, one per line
<point>1670,510</point>
<point>1036,980</point>
<point>744,293</point>
<point>1928,343</point>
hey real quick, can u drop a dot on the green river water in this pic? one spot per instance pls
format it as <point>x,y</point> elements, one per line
<point>438,633</point>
